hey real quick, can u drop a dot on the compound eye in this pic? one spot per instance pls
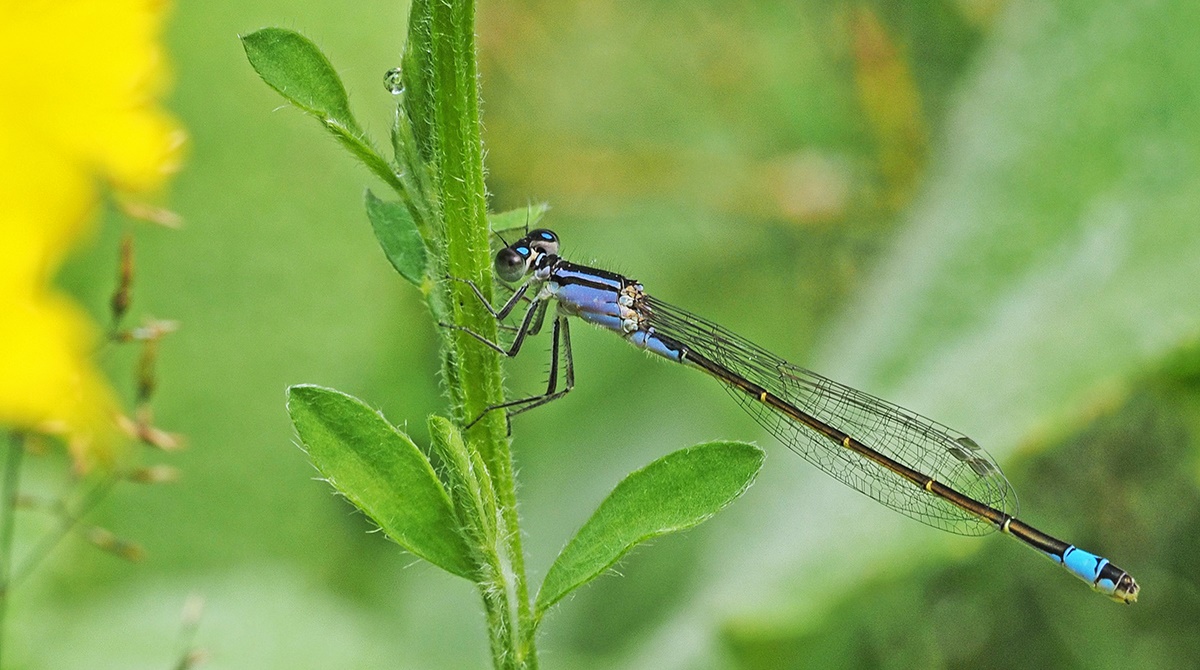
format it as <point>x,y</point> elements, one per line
<point>512,263</point>
<point>544,241</point>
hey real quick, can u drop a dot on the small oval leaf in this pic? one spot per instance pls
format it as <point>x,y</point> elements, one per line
<point>382,472</point>
<point>674,493</point>
<point>398,236</point>
<point>291,64</point>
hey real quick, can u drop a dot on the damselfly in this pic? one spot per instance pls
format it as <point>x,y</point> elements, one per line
<point>911,464</point>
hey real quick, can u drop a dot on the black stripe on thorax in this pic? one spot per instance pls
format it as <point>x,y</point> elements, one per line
<point>566,273</point>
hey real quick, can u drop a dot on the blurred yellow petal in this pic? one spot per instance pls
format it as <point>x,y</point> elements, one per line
<point>49,382</point>
<point>87,74</point>
<point>81,80</point>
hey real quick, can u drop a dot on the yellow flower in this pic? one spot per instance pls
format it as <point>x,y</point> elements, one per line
<point>80,82</point>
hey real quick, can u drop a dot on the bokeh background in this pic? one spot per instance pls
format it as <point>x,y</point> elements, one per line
<point>984,210</point>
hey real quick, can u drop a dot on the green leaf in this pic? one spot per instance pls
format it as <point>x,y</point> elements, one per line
<point>522,217</point>
<point>382,472</point>
<point>671,494</point>
<point>473,495</point>
<point>398,236</point>
<point>295,67</point>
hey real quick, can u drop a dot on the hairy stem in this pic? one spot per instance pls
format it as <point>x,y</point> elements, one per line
<point>473,370</point>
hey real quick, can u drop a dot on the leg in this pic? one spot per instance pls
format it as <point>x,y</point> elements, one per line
<point>568,372</point>
<point>515,347</point>
<point>506,308</point>
<point>561,326</point>
<point>539,319</point>
<point>533,329</point>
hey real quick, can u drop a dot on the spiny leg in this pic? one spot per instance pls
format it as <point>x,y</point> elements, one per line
<point>506,308</point>
<point>539,319</point>
<point>568,372</point>
<point>536,327</point>
<point>534,308</point>
<point>531,324</point>
<point>562,338</point>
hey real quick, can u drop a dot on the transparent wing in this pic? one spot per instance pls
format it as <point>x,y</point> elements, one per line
<point>909,438</point>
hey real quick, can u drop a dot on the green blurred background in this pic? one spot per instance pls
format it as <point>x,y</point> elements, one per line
<point>983,210</point>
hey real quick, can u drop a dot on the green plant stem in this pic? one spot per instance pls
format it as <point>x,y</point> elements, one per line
<point>65,525</point>
<point>8,507</point>
<point>474,372</point>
